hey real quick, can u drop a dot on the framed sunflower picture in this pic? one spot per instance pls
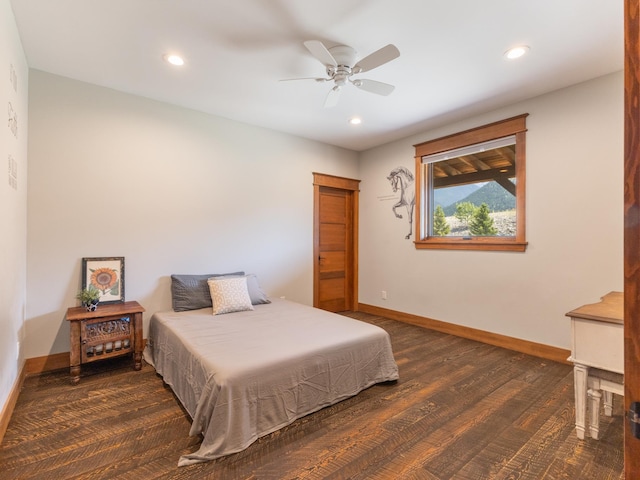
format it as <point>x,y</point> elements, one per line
<point>107,275</point>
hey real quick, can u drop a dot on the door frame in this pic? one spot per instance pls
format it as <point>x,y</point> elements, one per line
<point>353,187</point>
<point>631,230</point>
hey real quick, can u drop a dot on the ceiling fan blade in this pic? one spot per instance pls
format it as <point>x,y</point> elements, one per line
<point>333,97</point>
<point>317,79</point>
<point>377,58</point>
<point>374,86</point>
<point>319,51</point>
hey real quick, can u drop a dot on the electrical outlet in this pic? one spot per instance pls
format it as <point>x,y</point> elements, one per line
<point>18,352</point>
<point>384,294</point>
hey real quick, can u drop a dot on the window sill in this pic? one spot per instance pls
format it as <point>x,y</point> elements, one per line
<point>489,244</point>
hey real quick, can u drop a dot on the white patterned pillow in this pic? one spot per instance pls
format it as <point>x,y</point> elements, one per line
<point>229,295</point>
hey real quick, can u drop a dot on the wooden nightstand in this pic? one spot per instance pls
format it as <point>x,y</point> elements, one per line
<point>110,331</point>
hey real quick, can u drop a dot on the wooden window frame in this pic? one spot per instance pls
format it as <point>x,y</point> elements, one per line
<point>510,126</point>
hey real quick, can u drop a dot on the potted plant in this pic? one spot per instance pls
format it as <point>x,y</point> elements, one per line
<point>89,298</point>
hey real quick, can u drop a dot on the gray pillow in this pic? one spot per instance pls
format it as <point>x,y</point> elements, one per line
<point>190,292</point>
<point>255,292</point>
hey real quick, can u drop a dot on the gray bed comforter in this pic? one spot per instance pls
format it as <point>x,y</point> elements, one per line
<point>244,375</point>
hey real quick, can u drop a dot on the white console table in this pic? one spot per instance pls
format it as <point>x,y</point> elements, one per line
<point>597,352</point>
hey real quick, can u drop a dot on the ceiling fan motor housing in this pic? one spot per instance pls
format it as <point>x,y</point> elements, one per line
<point>345,58</point>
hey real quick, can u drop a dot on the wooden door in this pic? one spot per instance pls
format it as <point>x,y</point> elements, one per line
<point>631,232</point>
<point>335,243</point>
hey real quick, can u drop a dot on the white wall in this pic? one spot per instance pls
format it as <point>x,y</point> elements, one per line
<point>170,189</point>
<point>574,209</point>
<point>13,200</point>
<point>178,191</point>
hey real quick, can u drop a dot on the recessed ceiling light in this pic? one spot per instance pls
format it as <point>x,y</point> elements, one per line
<point>516,52</point>
<point>355,121</point>
<point>174,59</point>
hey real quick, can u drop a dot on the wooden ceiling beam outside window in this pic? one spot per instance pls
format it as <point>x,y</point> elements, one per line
<point>476,177</point>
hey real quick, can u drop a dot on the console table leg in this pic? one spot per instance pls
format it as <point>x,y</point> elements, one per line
<point>608,403</point>
<point>594,420</point>
<point>580,373</point>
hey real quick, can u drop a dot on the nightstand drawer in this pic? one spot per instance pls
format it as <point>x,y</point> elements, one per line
<point>105,337</point>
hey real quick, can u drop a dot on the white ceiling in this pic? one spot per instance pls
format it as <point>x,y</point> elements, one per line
<point>451,60</point>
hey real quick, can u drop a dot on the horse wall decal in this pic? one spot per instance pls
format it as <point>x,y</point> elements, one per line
<point>401,179</point>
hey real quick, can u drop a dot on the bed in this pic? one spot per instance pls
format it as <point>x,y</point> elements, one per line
<point>244,374</point>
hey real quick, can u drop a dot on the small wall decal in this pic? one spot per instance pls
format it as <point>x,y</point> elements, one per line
<point>13,121</point>
<point>401,180</point>
<point>12,170</point>
<point>13,78</point>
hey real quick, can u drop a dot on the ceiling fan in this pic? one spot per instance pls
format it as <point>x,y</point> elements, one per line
<point>340,64</point>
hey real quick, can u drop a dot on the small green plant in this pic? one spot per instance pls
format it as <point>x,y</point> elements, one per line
<point>88,295</point>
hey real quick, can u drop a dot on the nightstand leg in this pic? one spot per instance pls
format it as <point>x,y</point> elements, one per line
<point>137,360</point>
<point>137,341</point>
<point>74,354</point>
<point>75,374</point>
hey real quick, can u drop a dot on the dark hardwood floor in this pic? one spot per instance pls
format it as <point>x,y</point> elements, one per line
<point>461,410</point>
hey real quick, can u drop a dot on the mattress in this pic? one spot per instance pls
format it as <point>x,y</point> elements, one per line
<point>244,375</point>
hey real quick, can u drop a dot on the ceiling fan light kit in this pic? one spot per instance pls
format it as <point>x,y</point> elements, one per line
<point>340,64</point>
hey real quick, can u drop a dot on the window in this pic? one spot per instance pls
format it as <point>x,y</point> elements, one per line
<point>471,189</point>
